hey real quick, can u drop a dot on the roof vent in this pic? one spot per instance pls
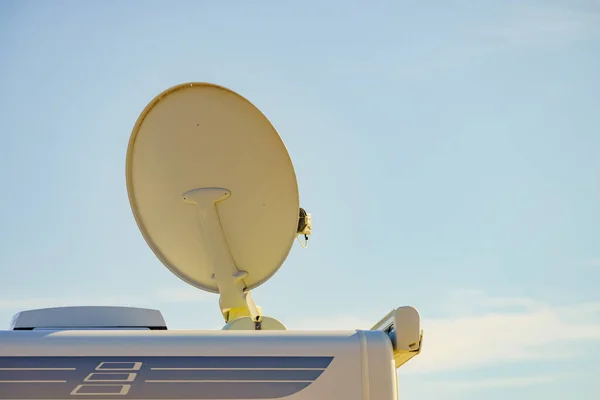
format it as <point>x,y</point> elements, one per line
<point>89,318</point>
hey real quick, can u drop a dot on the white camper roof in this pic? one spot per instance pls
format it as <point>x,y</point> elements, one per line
<point>89,317</point>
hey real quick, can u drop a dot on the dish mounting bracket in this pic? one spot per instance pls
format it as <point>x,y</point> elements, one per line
<point>235,301</point>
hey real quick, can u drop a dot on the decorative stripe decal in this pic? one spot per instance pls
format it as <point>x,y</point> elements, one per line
<point>140,378</point>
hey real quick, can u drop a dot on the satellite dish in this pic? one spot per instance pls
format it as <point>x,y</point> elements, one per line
<point>213,191</point>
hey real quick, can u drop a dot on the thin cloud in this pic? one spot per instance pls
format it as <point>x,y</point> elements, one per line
<point>183,294</point>
<point>483,331</point>
<point>515,26</point>
<point>528,24</point>
<point>497,383</point>
<point>594,262</point>
<point>410,388</point>
<point>531,330</point>
<point>335,322</point>
<point>495,31</point>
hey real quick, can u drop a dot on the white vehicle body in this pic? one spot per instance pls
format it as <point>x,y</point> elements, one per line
<point>51,354</point>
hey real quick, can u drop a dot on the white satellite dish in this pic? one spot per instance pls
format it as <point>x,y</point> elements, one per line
<point>214,192</point>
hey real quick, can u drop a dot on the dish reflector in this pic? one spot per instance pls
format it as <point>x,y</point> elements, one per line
<point>202,157</point>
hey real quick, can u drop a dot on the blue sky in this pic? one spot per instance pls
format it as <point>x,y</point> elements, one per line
<point>448,152</point>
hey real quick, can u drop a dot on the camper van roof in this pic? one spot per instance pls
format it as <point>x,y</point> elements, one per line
<point>88,317</point>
